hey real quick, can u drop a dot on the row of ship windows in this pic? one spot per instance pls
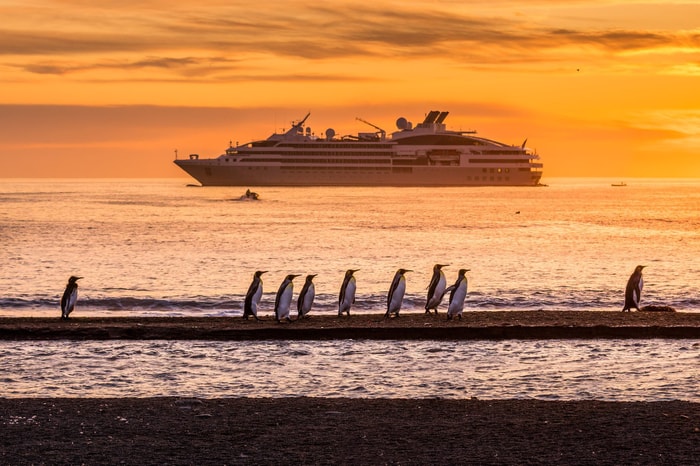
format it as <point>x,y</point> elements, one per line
<point>284,158</point>
<point>385,161</point>
<point>366,161</point>
<point>345,147</point>
<point>376,169</point>
<point>495,170</point>
<point>406,170</point>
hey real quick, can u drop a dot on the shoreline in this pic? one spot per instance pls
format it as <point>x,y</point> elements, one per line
<point>476,325</point>
<point>346,431</point>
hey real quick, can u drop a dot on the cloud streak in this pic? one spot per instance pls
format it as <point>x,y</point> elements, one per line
<point>185,40</point>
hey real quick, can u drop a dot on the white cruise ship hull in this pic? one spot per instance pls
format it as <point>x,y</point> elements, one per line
<point>213,172</point>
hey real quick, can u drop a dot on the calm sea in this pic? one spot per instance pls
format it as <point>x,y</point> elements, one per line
<point>160,247</point>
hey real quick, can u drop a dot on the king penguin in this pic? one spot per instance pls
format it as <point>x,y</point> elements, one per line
<point>396,292</point>
<point>458,293</point>
<point>70,296</point>
<point>436,289</point>
<point>306,297</point>
<point>284,298</point>
<point>633,292</point>
<point>252,297</point>
<point>346,297</point>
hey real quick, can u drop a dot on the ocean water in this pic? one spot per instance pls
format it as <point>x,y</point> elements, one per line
<point>160,247</point>
<point>611,370</point>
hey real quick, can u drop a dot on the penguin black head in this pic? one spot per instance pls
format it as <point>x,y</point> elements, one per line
<point>292,276</point>
<point>639,268</point>
<point>439,266</point>
<point>403,271</point>
<point>310,277</point>
<point>260,272</point>
<point>73,279</point>
<point>463,271</point>
<point>349,272</point>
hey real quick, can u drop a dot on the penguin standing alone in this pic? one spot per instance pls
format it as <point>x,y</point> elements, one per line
<point>306,297</point>
<point>347,292</point>
<point>70,296</point>
<point>458,293</point>
<point>436,289</point>
<point>284,298</point>
<point>633,291</point>
<point>252,297</point>
<point>396,291</point>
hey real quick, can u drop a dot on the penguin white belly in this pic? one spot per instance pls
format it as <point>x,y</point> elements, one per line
<point>285,302</point>
<point>457,302</point>
<point>70,304</point>
<point>308,299</point>
<point>439,292</point>
<point>397,297</point>
<point>72,300</point>
<point>349,296</point>
<point>255,301</point>
<point>638,292</point>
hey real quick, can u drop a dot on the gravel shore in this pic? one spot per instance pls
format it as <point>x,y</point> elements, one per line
<point>346,431</point>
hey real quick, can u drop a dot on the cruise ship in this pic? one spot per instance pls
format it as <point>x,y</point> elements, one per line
<point>425,155</point>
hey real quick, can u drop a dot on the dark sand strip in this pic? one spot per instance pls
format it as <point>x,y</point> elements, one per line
<point>346,431</point>
<point>495,325</point>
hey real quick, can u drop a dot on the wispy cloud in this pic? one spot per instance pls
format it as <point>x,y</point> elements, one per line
<point>186,36</point>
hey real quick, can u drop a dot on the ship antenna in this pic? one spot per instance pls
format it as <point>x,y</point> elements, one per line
<point>301,123</point>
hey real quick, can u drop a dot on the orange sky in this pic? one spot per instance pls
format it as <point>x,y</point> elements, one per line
<point>599,88</point>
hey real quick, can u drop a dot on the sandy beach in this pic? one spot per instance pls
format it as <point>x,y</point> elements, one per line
<point>474,325</point>
<point>346,431</point>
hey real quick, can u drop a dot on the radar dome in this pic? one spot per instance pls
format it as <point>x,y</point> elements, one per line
<point>402,123</point>
<point>330,132</point>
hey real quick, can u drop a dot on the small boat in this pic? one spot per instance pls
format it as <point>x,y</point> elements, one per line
<point>620,184</point>
<point>249,196</point>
